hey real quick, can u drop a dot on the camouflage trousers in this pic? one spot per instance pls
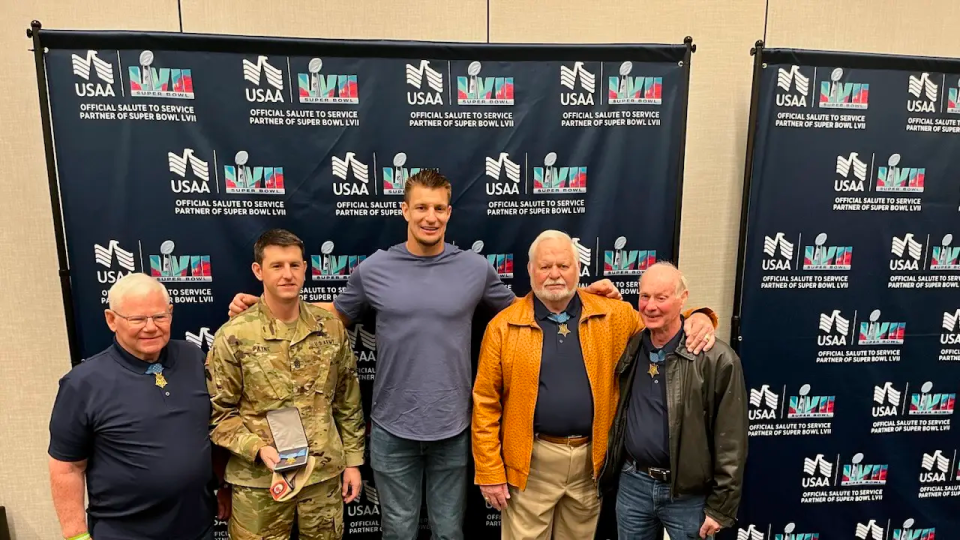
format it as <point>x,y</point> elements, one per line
<point>319,511</point>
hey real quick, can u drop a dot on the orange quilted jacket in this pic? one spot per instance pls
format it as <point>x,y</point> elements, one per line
<point>505,392</point>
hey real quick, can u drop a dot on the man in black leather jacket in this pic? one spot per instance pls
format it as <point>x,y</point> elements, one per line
<point>678,444</point>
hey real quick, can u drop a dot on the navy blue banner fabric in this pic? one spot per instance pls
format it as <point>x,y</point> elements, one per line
<point>851,299</point>
<point>174,152</point>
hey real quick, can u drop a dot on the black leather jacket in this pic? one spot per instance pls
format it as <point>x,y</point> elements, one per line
<point>707,409</point>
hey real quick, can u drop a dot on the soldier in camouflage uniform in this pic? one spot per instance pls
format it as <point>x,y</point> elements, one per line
<point>282,353</point>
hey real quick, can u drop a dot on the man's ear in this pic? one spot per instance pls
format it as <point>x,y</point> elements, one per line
<point>111,319</point>
<point>257,270</point>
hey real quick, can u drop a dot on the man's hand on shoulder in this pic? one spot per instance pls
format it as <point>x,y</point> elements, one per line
<point>699,330</point>
<point>604,287</point>
<point>241,302</point>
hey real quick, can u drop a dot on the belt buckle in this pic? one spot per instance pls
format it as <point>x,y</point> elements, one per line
<point>575,438</point>
<point>662,475</point>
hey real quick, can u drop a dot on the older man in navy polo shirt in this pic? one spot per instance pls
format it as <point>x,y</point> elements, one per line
<point>130,425</point>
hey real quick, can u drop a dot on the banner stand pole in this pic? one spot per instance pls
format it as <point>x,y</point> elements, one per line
<point>687,57</point>
<point>63,265</point>
<point>757,53</point>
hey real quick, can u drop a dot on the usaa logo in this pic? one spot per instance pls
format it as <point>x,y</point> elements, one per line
<point>951,328</point>
<point>886,399</point>
<point>764,404</point>
<point>819,472</point>
<point>779,252</point>
<point>750,533</point>
<point>97,73</point>
<point>925,92</point>
<point>935,467</point>
<point>585,256</point>
<point>105,256</point>
<point>416,76</point>
<point>795,85</point>
<point>834,329</point>
<point>870,531</point>
<point>846,165</point>
<point>255,73</point>
<point>363,342</point>
<point>344,169</point>
<point>511,169</point>
<point>907,253</point>
<point>198,179</point>
<point>202,340</point>
<point>372,505</point>
<point>569,78</point>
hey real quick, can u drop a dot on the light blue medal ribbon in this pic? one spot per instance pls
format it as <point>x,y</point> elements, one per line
<point>561,320</point>
<point>156,369</point>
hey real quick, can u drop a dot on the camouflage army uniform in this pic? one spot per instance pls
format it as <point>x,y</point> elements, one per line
<point>258,364</point>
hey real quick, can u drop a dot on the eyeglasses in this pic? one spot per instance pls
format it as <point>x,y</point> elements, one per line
<point>137,321</point>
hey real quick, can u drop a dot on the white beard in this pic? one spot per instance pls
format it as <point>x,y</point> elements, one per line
<point>554,296</point>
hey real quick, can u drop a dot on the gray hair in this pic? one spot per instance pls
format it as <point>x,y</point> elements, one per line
<point>135,284</point>
<point>551,234</point>
<point>681,279</point>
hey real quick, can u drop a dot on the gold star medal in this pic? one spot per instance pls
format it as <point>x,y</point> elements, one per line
<point>563,330</point>
<point>653,371</point>
<point>160,380</point>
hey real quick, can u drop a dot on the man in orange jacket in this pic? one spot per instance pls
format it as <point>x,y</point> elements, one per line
<point>546,394</point>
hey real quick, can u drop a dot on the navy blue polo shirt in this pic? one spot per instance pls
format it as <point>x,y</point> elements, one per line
<point>149,473</point>
<point>648,428</point>
<point>564,398</point>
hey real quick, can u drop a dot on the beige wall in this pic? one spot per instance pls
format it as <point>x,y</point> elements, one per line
<point>32,335</point>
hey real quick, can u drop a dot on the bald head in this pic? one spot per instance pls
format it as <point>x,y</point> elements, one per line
<point>663,291</point>
<point>664,272</point>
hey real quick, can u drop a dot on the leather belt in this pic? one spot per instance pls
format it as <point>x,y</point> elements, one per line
<point>657,473</point>
<point>573,441</point>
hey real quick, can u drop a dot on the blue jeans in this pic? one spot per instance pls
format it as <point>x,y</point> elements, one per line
<point>398,468</point>
<point>644,505</point>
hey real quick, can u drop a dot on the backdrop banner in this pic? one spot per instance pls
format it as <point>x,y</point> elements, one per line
<point>853,207</point>
<point>175,151</point>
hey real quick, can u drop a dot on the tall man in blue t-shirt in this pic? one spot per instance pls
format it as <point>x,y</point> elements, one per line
<point>130,427</point>
<point>425,292</point>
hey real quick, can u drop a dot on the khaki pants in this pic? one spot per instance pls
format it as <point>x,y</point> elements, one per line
<point>319,511</point>
<point>560,501</point>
